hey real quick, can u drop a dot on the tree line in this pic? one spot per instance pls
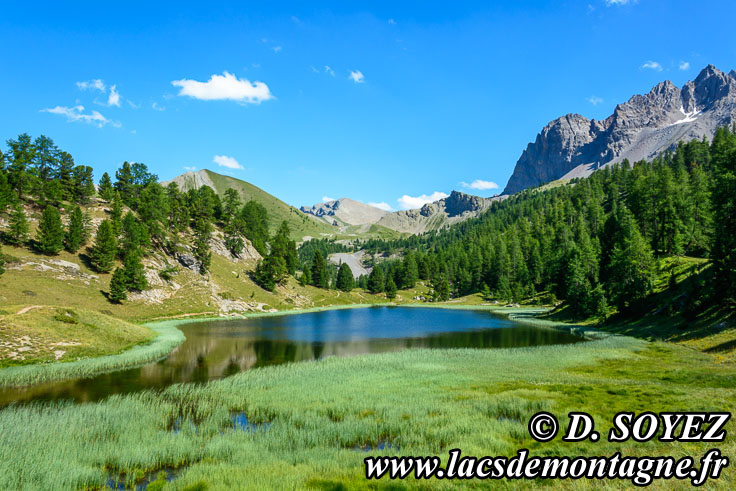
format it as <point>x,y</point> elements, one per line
<point>595,243</point>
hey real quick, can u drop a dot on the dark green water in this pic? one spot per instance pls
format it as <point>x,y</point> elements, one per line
<point>216,349</point>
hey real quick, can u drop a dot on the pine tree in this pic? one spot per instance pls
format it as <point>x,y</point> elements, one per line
<point>116,214</point>
<point>17,227</point>
<point>102,253</point>
<point>631,267</point>
<point>306,277</point>
<point>344,278</point>
<point>6,196</point>
<point>723,203</point>
<point>201,249</point>
<point>105,189</point>
<point>376,281</point>
<point>255,218</point>
<point>118,286</point>
<point>50,235</point>
<point>320,275</point>
<point>135,274</point>
<point>75,232</point>
<point>410,271</point>
<point>390,288</point>
<point>269,272</point>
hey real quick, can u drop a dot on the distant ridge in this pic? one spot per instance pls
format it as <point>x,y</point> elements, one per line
<point>439,214</point>
<point>345,211</point>
<point>642,128</point>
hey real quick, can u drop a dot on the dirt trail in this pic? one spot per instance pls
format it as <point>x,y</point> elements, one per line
<point>29,308</point>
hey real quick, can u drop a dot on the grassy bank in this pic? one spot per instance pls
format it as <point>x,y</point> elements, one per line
<point>322,415</point>
<point>159,340</point>
<point>40,334</point>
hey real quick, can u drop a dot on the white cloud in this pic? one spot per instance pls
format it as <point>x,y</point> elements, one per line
<point>619,2</point>
<point>96,84</point>
<point>356,76</point>
<point>595,100</point>
<point>225,87</point>
<point>480,185</point>
<point>652,65</point>
<point>190,168</point>
<point>113,99</point>
<point>407,202</point>
<point>392,22</point>
<point>382,205</point>
<point>156,107</point>
<point>276,49</point>
<point>76,114</point>
<point>225,161</point>
<point>325,199</point>
<point>329,70</point>
<point>684,65</point>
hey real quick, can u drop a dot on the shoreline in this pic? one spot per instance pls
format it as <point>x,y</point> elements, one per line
<point>169,337</point>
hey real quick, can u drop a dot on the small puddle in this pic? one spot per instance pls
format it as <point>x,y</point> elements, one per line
<point>140,483</point>
<point>241,423</point>
<point>380,445</point>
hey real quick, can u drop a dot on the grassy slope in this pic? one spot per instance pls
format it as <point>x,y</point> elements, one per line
<point>42,334</point>
<point>35,284</point>
<point>278,211</point>
<point>322,414</point>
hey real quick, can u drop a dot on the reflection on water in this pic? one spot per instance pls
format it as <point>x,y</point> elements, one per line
<point>216,349</point>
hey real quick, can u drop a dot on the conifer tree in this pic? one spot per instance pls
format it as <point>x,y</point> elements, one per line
<point>320,275</point>
<point>344,278</point>
<point>6,196</point>
<point>723,202</point>
<point>201,249</point>
<point>105,189</point>
<point>116,214</point>
<point>376,281</point>
<point>75,232</point>
<point>390,288</point>
<point>255,219</point>
<point>17,226</point>
<point>50,236</point>
<point>102,253</point>
<point>135,274</point>
<point>118,286</point>
<point>306,277</point>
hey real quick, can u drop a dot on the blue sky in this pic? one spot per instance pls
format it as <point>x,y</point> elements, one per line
<point>383,102</point>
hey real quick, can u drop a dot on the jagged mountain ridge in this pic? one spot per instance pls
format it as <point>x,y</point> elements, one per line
<point>641,128</point>
<point>345,211</point>
<point>439,214</point>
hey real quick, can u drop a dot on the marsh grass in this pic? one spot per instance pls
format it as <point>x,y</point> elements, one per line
<point>314,415</point>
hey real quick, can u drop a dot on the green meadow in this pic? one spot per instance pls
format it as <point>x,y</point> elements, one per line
<point>311,424</point>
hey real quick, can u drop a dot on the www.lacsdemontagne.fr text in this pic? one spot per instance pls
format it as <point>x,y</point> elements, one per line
<point>641,471</point>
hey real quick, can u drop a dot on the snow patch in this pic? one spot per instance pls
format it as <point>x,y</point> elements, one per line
<point>689,116</point>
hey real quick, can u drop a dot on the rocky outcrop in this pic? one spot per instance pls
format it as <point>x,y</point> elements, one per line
<point>345,211</point>
<point>643,127</point>
<point>438,214</point>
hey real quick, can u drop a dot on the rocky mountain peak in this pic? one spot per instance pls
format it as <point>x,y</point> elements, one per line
<point>641,128</point>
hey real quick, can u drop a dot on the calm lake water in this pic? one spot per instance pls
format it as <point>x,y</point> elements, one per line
<point>216,349</point>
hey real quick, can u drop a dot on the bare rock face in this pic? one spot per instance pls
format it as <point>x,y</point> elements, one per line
<point>438,214</point>
<point>345,211</point>
<point>642,128</point>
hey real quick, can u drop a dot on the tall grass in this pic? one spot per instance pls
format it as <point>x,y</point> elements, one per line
<point>167,338</point>
<point>323,413</point>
